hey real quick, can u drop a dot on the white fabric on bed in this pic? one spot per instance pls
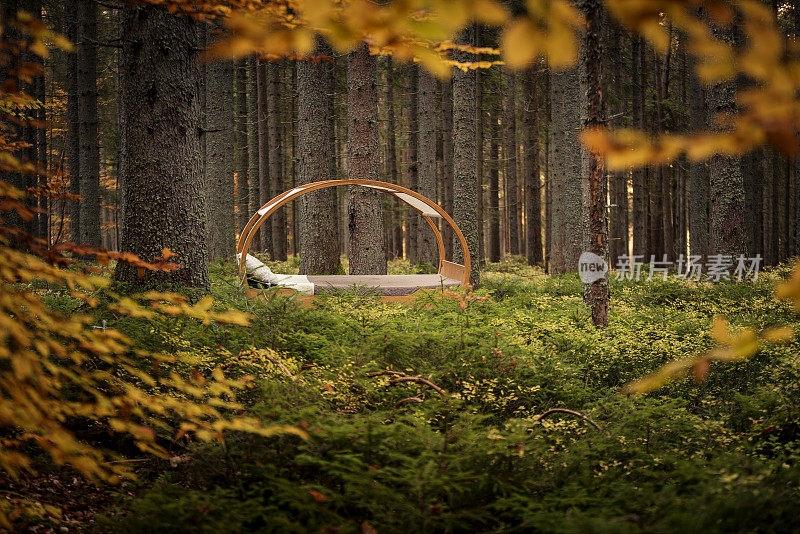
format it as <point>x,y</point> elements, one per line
<point>262,273</point>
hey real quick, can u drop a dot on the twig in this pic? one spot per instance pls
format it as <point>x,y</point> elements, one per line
<point>418,380</point>
<point>407,400</point>
<point>571,412</point>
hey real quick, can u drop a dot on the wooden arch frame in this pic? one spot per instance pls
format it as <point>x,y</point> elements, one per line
<point>427,209</point>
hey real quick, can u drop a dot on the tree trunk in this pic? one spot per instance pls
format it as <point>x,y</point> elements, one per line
<point>510,157</point>
<point>391,160</point>
<point>89,158</point>
<point>242,155</point>
<point>727,185</point>
<point>317,217</point>
<point>427,251</point>
<point>275,182</point>
<point>566,164</point>
<point>73,149</point>
<point>365,217</point>
<point>413,162</point>
<point>219,186</point>
<point>699,244</point>
<point>618,242</point>
<point>639,174</point>
<point>464,154</point>
<point>253,156</point>
<point>164,183</point>
<point>447,163</point>
<point>533,206</point>
<point>494,186</point>
<point>596,293</point>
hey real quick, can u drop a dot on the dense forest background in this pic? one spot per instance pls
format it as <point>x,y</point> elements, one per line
<point>265,124</point>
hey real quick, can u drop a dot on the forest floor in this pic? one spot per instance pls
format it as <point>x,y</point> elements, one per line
<point>719,455</point>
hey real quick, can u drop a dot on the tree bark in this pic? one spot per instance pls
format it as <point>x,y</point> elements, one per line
<point>447,163</point>
<point>464,174</point>
<point>566,164</point>
<point>219,186</point>
<point>164,183</point>
<point>510,157</point>
<point>253,155</point>
<point>427,251</point>
<point>533,186</point>
<point>365,217</point>
<point>639,175</point>
<point>494,186</point>
<point>242,153</point>
<point>73,149</point>
<point>391,159</point>
<point>698,176</point>
<point>727,185</point>
<point>89,157</point>
<point>275,181</point>
<point>413,162</point>
<point>317,217</point>
<point>596,294</point>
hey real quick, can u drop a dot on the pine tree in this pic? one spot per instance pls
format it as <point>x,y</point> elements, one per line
<point>165,207</point>
<point>367,252</point>
<point>317,217</point>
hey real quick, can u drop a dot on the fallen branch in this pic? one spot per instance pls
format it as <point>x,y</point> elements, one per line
<point>418,380</point>
<point>571,412</point>
<point>407,400</point>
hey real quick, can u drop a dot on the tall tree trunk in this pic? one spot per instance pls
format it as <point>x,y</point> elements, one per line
<point>510,157</point>
<point>365,217</point>
<point>275,183</point>
<point>219,187</point>
<point>618,242</point>
<point>89,158</point>
<point>242,155</point>
<point>164,183</point>
<point>464,154</point>
<point>427,251</point>
<point>253,156</point>
<point>494,186</point>
<point>73,149</point>
<point>447,163</point>
<point>727,185</point>
<point>413,161</point>
<point>566,168</point>
<point>533,205</point>
<point>479,83</point>
<point>596,293</point>
<point>317,217</point>
<point>391,159</point>
<point>699,243</point>
<point>639,175</point>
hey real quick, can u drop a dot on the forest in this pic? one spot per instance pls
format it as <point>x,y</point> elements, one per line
<point>399,266</point>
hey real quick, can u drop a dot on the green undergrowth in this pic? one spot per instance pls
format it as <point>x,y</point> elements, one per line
<point>720,455</point>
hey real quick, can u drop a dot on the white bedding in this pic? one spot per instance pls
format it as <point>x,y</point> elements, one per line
<point>262,273</point>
